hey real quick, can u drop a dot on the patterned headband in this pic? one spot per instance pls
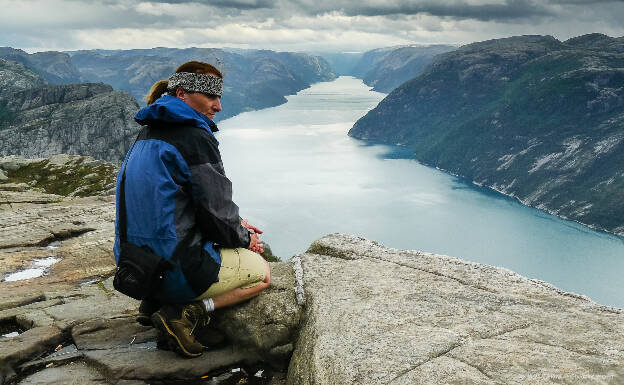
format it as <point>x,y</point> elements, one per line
<point>193,82</point>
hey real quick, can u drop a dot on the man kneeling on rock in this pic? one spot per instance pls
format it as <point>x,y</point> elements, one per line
<point>178,203</point>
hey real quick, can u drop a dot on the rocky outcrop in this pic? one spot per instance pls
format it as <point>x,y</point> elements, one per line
<point>530,116</point>
<point>376,315</point>
<point>38,120</point>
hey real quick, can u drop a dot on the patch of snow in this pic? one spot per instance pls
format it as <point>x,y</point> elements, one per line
<point>11,335</point>
<point>38,268</point>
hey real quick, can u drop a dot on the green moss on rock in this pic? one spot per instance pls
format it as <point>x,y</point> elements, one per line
<point>78,176</point>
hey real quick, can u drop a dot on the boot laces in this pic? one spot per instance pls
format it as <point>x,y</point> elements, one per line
<point>202,319</point>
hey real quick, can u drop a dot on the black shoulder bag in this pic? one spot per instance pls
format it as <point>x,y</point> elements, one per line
<point>140,271</point>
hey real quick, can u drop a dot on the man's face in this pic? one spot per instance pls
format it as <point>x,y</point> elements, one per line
<point>207,105</point>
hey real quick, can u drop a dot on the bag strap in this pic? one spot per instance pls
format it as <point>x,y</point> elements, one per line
<point>123,215</point>
<point>123,224</point>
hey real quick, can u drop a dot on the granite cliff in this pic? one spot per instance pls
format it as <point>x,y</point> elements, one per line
<point>530,116</point>
<point>346,311</point>
<point>40,119</point>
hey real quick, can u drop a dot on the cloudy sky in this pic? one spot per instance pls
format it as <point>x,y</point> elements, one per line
<point>294,25</point>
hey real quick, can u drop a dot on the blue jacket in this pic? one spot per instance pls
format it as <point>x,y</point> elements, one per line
<point>175,184</point>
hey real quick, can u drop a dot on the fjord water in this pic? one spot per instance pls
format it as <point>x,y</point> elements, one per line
<point>298,176</point>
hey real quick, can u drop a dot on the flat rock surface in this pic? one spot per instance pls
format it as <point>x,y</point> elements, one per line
<point>77,373</point>
<point>78,232</point>
<point>72,303</point>
<point>376,315</point>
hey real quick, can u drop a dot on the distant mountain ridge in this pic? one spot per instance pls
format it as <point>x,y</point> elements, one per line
<point>254,79</point>
<point>54,67</point>
<point>531,116</point>
<point>386,68</point>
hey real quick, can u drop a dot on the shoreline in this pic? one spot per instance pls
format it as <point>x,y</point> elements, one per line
<point>469,181</point>
<point>515,198</point>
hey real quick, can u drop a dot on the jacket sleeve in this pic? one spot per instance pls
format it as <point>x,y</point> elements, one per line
<point>216,213</point>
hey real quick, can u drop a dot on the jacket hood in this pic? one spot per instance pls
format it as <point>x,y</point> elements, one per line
<point>172,110</point>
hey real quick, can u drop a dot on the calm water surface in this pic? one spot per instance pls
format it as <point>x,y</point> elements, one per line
<point>298,176</point>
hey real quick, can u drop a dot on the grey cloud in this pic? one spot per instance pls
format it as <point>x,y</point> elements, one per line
<point>237,4</point>
<point>584,2</point>
<point>510,9</point>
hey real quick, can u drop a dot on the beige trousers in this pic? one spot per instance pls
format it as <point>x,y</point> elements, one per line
<point>239,268</point>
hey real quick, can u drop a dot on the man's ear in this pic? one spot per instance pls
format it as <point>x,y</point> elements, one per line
<point>180,93</point>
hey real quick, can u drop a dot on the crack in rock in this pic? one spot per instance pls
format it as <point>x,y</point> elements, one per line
<point>454,346</point>
<point>475,367</point>
<point>64,235</point>
<point>436,273</point>
<point>437,355</point>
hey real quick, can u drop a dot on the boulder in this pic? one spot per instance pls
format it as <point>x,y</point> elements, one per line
<point>379,315</point>
<point>268,323</point>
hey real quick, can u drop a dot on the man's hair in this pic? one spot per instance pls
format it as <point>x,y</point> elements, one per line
<point>160,87</point>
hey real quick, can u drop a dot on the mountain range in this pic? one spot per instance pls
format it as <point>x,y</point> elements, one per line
<point>533,117</point>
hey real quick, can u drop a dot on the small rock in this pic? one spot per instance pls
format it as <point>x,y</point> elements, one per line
<point>29,343</point>
<point>63,159</point>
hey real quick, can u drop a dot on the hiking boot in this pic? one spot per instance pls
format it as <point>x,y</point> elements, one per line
<point>146,309</point>
<point>176,323</point>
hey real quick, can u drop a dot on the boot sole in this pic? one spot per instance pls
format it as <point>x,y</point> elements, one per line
<point>172,339</point>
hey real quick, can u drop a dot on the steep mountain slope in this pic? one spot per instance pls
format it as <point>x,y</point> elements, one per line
<point>253,79</point>
<point>530,116</point>
<point>39,119</point>
<point>385,69</point>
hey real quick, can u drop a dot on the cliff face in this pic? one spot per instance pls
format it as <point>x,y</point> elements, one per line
<point>38,119</point>
<point>533,117</point>
<point>253,79</point>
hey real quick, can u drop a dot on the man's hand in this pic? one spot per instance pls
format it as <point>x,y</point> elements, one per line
<point>255,245</point>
